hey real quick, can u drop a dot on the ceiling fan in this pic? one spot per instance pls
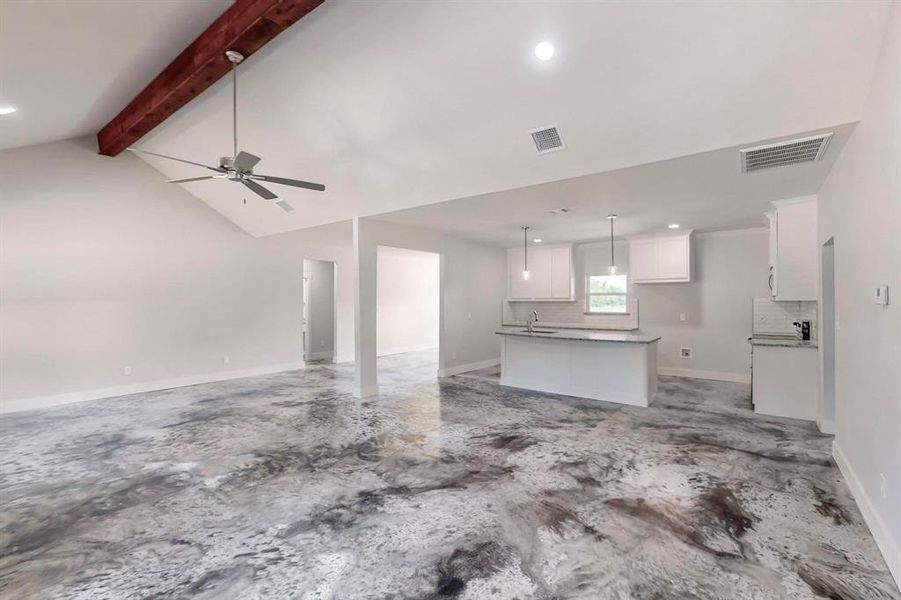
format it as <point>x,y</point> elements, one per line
<point>239,166</point>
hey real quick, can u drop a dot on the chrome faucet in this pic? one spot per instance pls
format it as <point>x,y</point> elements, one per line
<point>533,317</point>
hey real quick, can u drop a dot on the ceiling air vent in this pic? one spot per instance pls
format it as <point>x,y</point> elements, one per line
<point>558,211</point>
<point>547,139</point>
<point>784,153</point>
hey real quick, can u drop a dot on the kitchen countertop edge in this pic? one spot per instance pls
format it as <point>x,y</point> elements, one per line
<point>582,335</point>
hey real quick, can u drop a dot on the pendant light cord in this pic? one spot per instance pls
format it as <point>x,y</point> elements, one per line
<point>612,261</point>
<point>525,248</point>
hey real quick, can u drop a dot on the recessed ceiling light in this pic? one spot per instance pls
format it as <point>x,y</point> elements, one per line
<point>7,110</point>
<point>544,51</point>
<point>673,226</point>
<point>537,240</point>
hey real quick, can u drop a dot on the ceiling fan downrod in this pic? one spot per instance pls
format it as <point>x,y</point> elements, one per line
<point>235,58</point>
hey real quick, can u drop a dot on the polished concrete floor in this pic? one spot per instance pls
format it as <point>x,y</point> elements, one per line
<point>285,486</point>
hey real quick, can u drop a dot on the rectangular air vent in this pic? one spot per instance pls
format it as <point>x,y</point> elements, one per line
<point>547,139</point>
<point>789,152</point>
<point>558,211</point>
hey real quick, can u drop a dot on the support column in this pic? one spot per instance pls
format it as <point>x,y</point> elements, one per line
<point>365,306</point>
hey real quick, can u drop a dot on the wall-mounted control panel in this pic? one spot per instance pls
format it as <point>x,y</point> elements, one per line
<point>881,295</point>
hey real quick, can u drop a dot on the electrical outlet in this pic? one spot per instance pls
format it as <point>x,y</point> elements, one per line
<point>682,316</point>
<point>226,360</point>
<point>883,485</point>
<point>126,371</point>
<point>684,352</point>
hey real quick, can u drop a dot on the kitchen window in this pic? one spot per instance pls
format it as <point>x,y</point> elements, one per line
<point>606,294</point>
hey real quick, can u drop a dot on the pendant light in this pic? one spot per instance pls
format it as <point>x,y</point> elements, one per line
<point>612,268</point>
<point>525,252</point>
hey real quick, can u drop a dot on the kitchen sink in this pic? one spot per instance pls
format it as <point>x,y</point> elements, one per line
<point>539,331</point>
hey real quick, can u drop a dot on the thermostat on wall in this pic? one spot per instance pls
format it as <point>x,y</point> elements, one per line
<point>881,296</point>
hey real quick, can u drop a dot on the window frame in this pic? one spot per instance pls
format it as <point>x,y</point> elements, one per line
<point>589,294</point>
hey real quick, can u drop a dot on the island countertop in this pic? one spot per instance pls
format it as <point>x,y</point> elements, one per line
<point>581,334</point>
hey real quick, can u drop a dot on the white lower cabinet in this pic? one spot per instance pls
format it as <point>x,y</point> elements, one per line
<point>660,259</point>
<point>786,382</point>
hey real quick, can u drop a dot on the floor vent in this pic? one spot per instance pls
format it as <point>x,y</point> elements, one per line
<point>789,152</point>
<point>547,139</point>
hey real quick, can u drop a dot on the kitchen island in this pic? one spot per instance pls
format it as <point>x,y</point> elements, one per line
<point>601,365</point>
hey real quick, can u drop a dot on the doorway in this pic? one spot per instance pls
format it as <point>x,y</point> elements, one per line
<point>408,310</point>
<point>827,339</point>
<point>319,314</point>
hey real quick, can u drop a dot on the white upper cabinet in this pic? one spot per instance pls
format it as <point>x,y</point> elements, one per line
<point>794,249</point>
<point>550,273</point>
<point>660,259</point>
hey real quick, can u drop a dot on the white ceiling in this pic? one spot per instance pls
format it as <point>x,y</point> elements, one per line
<point>704,192</point>
<point>400,104</point>
<point>70,66</point>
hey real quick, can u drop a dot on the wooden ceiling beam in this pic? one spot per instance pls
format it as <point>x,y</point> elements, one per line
<point>246,27</point>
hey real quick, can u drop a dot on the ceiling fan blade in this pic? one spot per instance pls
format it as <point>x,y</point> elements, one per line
<point>245,161</point>
<point>259,190</point>
<point>190,162</point>
<point>191,179</point>
<point>293,182</point>
<point>285,206</point>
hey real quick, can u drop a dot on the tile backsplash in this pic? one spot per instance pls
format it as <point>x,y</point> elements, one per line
<point>572,314</point>
<point>771,317</point>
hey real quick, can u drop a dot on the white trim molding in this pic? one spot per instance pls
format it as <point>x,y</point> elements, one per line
<point>367,391</point>
<point>698,374</point>
<point>19,404</point>
<point>474,366</point>
<point>890,547</point>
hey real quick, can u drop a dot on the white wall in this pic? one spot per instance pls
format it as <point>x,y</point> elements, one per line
<point>103,265</point>
<point>408,300</point>
<point>730,269</point>
<point>860,208</point>
<point>319,275</point>
<point>473,285</point>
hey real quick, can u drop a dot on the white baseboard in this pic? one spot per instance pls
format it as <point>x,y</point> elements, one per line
<point>457,369</point>
<point>826,426</point>
<point>698,374</point>
<point>404,349</point>
<point>19,404</point>
<point>367,391</point>
<point>890,547</point>
<point>321,355</point>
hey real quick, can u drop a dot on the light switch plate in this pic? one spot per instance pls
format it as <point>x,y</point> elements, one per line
<point>881,295</point>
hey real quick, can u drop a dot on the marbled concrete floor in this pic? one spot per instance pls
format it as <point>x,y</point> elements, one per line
<point>285,486</point>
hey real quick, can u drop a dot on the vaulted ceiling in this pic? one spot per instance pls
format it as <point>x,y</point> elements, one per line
<point>70,65</point>
<point>395,104</point>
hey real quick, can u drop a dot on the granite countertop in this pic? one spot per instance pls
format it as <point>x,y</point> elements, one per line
<point>782,342</point>
<point>581,334</point>
<point>549,325</point>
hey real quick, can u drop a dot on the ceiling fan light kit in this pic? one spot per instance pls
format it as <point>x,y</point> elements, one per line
<point>239,166</point>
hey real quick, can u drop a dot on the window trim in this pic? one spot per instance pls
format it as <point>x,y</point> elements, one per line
<point>589,294</point>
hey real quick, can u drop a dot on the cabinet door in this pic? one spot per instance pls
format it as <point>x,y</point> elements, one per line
<point>561,273</point>
<point>796,251</point>
<point>673,258</point>
<point>516,285</point>
<point>540,270</point>
<point>643,259</point>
